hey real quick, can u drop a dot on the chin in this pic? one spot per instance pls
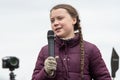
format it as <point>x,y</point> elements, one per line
<point>59,35</point>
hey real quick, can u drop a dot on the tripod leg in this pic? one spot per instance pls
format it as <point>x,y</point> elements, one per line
<point>12,76</point>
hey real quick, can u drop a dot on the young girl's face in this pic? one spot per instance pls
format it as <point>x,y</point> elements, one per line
<point>62,23</point>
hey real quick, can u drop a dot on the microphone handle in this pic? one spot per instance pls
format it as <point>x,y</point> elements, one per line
<point>51,47</point>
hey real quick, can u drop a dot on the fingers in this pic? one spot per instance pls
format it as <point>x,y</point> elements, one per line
<point>56,57</point>
<point>51,68</point>
<point>50,63</point>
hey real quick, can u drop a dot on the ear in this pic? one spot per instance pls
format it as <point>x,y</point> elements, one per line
<point>74,21</point>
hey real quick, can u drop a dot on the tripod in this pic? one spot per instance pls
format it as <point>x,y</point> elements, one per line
<point>12,75</point>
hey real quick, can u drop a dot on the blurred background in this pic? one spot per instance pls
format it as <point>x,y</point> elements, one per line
<point>24,25</point>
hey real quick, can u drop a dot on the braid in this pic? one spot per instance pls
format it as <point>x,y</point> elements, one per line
<point>81,49</point>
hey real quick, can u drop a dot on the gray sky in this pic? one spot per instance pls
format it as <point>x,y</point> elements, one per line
<point>24,25</point>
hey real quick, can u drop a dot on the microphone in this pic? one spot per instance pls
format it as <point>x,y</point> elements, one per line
<point>114,62</point>
<point>50,36</point>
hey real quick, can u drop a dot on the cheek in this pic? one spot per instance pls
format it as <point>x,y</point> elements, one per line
<point>52,26</point>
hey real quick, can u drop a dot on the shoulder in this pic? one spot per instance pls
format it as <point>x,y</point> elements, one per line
<point>44,51</point>
<point>91,48</point>
<point>45,47</point>
<point>89,45</point>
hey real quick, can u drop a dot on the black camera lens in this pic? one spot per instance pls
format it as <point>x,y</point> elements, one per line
<point>14,61</point>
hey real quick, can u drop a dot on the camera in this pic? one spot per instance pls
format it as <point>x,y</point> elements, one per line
<point>10,62</point>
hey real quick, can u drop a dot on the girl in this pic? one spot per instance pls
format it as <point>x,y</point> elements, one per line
<point>75,58</point>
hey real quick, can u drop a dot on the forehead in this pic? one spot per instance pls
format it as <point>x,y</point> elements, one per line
<point>56,12</point>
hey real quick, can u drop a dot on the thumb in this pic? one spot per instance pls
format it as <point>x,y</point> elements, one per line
<point>56,57</point>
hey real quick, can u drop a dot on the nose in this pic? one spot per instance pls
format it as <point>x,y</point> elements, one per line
<point>56,22</point>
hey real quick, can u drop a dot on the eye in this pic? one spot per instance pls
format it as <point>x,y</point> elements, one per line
<point>52,20</point>
<point>60,17</point>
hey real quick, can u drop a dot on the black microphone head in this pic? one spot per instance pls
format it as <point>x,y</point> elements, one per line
<point>50,34</point>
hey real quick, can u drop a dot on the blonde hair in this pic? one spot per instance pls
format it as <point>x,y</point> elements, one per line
<point>74,14</point>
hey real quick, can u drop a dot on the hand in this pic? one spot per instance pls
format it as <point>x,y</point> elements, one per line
<point>50,65</point>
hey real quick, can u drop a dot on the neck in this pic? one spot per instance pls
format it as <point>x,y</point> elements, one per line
<point>67,38</point>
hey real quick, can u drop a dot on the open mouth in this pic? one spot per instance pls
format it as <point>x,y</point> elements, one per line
<point>58,29</point>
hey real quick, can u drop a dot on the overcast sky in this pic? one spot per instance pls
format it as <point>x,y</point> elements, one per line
<point>24,25</point>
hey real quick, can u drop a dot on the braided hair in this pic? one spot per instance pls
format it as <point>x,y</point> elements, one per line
<point>74,14</point>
